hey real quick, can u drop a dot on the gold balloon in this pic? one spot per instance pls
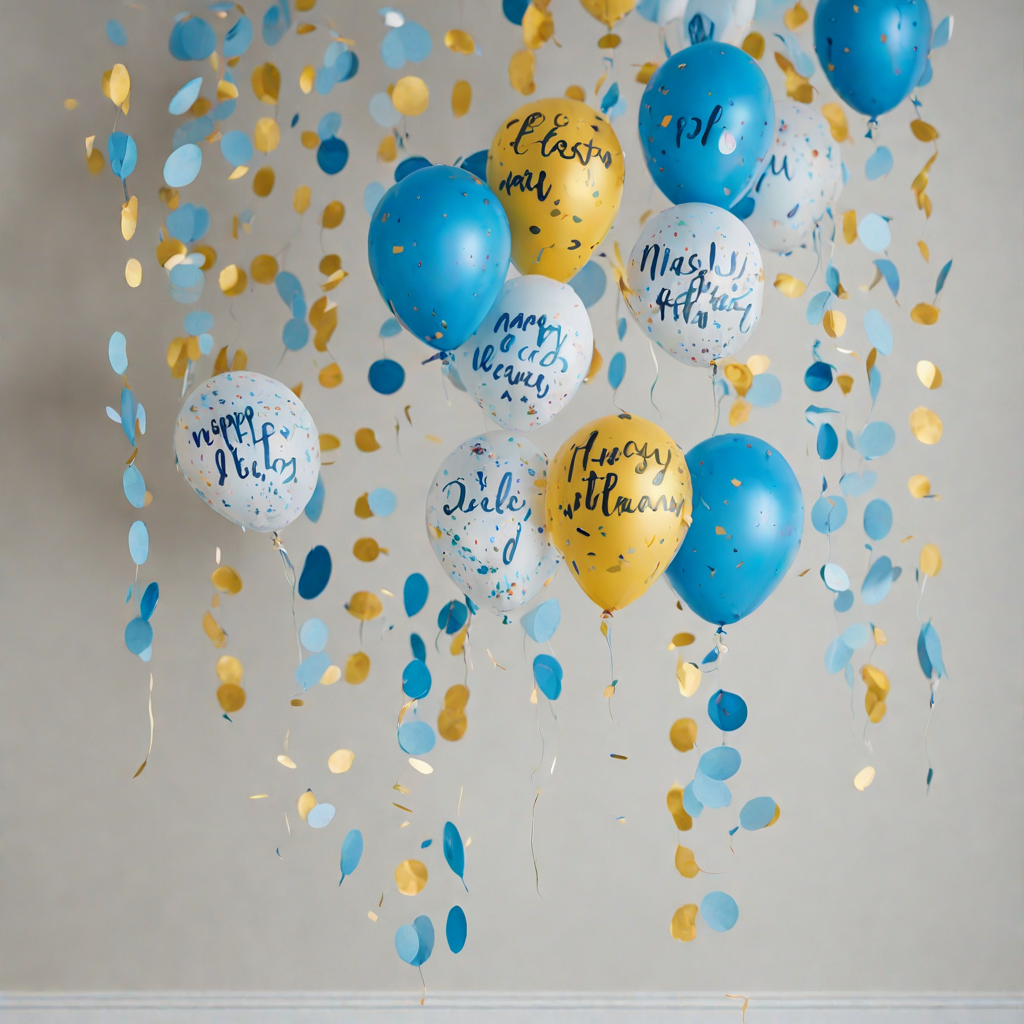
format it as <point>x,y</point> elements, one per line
<point>619,502</point>
<point>558,169</point>
<point>608,11</point>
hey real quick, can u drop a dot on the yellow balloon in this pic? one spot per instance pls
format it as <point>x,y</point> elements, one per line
<point>619,503</point>
<point>558,169</point>
<point>608,11</point>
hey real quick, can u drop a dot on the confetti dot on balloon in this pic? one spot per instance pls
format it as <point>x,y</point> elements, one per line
<point>382,502</point>
<point>719,911</point>
<point>332,155</point>
<point>182,166</point>
<point>314,635</point>
<point>386,376</point>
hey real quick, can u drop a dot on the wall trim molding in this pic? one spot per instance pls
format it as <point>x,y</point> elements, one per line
<point>554,1006</point>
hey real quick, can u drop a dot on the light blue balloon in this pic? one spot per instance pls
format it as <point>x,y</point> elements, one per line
<point>872,52</point>
<point>439,249</point>
<point>877,519</point>
<point>828,513</point>
<point>763,523</point>
<point>138,542</point>
<point>720,763</point>
<point>719,911</point>
<point>706,122</point>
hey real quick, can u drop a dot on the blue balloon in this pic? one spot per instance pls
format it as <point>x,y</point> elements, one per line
<point>744,536</point>
<point>873,52</point>
<point>439,249</point>
<point>706,123</point>
<point>476,163</point>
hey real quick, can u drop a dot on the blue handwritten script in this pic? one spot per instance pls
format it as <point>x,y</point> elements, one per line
<point>238,431</point>
<point>692,284</point>
<point>457,499</point>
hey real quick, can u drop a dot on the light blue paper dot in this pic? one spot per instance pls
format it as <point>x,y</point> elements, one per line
<point>416,737</point>
<point>828,513</point>
<point>187,282</point>
<point>236,148</point>
<point>315,505</point>
<point>878,331</point>
<point>182,166</point>
<point>328,125</point>
<point>134,486</point>
<point>874,233</point>
<point>138,635</point>
<point>720,763</point>
<point>185,96</point>
<point>117,33</point>
<point>835,578</point>
<point>238,37</point>
<point>351,852</point>
<point>288,286</point>
<point>325,80</point>
<point>837,656</point>
<point>719,911</point>
<point>117,352</point>
<point>295,334</point>
<point>589,283</point>
<point>310,672</point>
<point>843,601</point>
<point>198,322</point>
<point>757,813</point>
<point>382,502</point>
<point>879,164</point>
<point>691,804</point>
<point>877,519</point>
<point>855,484</point>
<point>876,440</point>
<point>766,390</point>
<point>416,680</point>
<point>138,542</point>
<point>383,111</point>
<point>856,636</point>
<point>392,53</point>
<point>372,195</point>
<point>617,369</point>
<point>314,635</point>
<point>407,943</point>
<point>321,815</point>
<point>710,792</point>
<point>150,597</point>
<point>415,40</point>
<point>346,66</point>
<point>540,623</point>
<point>877,581</point>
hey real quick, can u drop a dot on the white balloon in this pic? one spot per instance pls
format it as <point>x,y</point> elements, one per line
<point>530,353</point>
<point>249,449</point>
<point>726,21</point>
<point>803,178</point>
<point>697,282</point>
<point>486,520</point>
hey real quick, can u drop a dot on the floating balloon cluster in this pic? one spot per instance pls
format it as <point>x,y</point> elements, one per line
<point>619,503</point>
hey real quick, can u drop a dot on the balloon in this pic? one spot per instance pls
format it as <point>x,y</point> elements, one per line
<point>802,178</point>
<point>558,169</point>
<point>873,53</point>
<point>439,253</point>
<point>608,12</point>
<point>248,448</point>
<point>530,354</point>
<point>485,520</point>
<point>706,120</point>
<point>748,517</point>
<point>618,505</point>
<point>696,282</point>
<point>725,21</point>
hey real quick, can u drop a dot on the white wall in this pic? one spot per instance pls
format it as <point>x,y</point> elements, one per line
<point>171,880</point>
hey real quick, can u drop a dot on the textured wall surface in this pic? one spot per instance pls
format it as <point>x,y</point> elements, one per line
<point>171,880</point>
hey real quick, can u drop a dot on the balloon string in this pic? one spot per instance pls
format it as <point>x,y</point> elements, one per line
<point>657,373</point>
<point>289,575</point>
<point>423,998</point>
<point>150,751</point>
<point>715,401</point>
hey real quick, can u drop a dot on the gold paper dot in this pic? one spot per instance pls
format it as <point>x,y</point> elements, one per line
<point>834,323</point>
<point>310,140</point>
<point>924,313</point>
<point>520,72</point>
<point>923,131</point>
<point>795,16</point>
<point>456,697</point>
<point>754,45</point>
<point>459,42</point>
<point>363,510</point>
<point>930,561</point>
<point>410,96</point>
<point>333,215</point>
<point>929,374</point>
<point>926,426</point>
<point>330,376</point>
<point>167,248</point>
<point>462,97</point>
<point>366,440</point>
<point>266,83</point>
<point>790,286</point>
<point>451,725</point>
<point>232,280</point>
<point>684,923</point>
<point>366,549</point>
<point>306,803</point>
<point>674,800</point>
<point>758,364</point>
<point>411,877</point>
<point>209,256</point>
<point>739,412</point>
<point>681,640</point>
<point>686,865</point>
<point>307,76</point>
<point>266,135</point>
<point>95,162</point>
<point>133,273</point>
<point>263,269</point>
<point>357,668</point>
<point>229,669</point>
<point>739,376</point>
<point>365,605</point>
<point>329,443</point>
<point>231,697</point>
<point>226,580</point>
<point>836,117</point>
<point>387,151</point>
<point>71,104</point>
<point>688,676</point>
<point>919,486</point>
<point>212,629</point>
<point>845,382</point>
<point>864,778</point>
<point>683,734</point>
<point>129,218</point>
<point>119,84</point>
<point>340,761</point>
<point>263,182</point>
<point>285,760</point>
<point>331,675</point>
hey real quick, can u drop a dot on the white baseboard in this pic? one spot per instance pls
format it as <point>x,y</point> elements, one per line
<point>507,1008</point>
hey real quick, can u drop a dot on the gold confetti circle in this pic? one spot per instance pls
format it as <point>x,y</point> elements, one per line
<point>362,509</point>
<point>366,440</point>
<point>263,183</point>
<point>451,725</point>
<point>686,865</point>
<point>340,761</point>
<point>926,426</point>
<point>226,580</point>
<point>411,877</point>
<point>331,675</point>
<point>333,215</point>
<point>307,76</point>
<point>232,280</point>
<point>919,486</point>
<point>410,96</point>
<point>931,560</point>
<point>365,606</point>
<point>929,374</point>
<point>459,42</point>
<point>133,273</point>
<point>300,201</point>
<point>263,269</point>
<point>357,668</point>
<point>266,135</point>
<point>739,376</point>
<point>266,83</point>
<point>306,803</point>
<point>683,734</point>
<point>310,140</point>
<point>681,640</point>
<point>366,549</point>
<point>457,697</point>
<point>864,778</point>
<point>229,669</point>
<point>231,697</point>
<point>462,98</point>
<point>674,800</point>
<point>328,265</point>
<point>684,923</point>
<point>330,376</point>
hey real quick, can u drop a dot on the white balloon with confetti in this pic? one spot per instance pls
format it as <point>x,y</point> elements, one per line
<point>695,283</point>
<point>486,520</point>
<point>249,448</point>
<point>803,177</point>
<point>530,354</point>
